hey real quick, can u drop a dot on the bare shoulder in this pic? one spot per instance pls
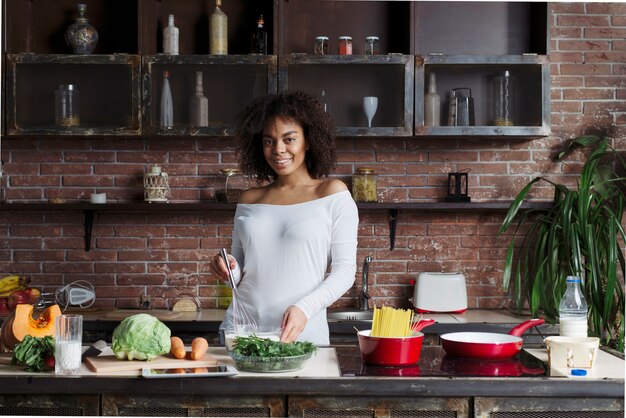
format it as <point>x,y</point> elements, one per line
<point>253,195</point>
<point>331,186</point>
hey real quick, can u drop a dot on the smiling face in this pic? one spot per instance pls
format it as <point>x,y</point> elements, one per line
<point>284,146</point>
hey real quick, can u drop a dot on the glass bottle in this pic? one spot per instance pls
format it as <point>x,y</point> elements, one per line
<point>81,36</point>
<point>321,45</point>
<point>234,184</point>
<point>432,103</point>
<point>364,183</point>
<point>371,45</point>
<point>258,39</point>
<point>324,101</point>
<point>345,45</point>
<point>199,105</point>
<point>218,31</point>
<point>573,310</point>
<point>167,106</point>
<point>170,37</point>
<point>66,105</point>
<point>503,99</point>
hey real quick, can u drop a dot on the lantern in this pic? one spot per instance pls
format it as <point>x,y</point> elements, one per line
<point>155,185</point>
<point>457,188</point>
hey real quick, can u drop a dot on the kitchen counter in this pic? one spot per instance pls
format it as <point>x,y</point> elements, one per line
<point>341,381</point>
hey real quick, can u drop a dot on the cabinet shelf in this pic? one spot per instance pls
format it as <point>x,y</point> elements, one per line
<point>230,82</point>
<point>90,209</point>
<point>531,89</point>
<point>346,79</point>
<point>109,93</point>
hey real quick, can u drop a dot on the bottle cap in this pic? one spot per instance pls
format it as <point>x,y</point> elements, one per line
<point>572,279</point>
<point>579,372</point>
<point>322,38</point>
<point>346,37</point>
<point>365,170</point>
<point>371,38</point>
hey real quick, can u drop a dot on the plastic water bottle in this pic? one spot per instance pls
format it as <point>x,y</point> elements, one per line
<point>573,310</point>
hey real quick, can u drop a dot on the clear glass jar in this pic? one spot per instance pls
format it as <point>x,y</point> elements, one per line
<point>371,45</point>
<point>66,105</point>
<point>364,183</point>
<point>345,45</point>
<point>321,45</point>
<point>234,184</point>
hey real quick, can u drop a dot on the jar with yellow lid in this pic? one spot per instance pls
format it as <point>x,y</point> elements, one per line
<point>234,184</point>
<point>364,185</point>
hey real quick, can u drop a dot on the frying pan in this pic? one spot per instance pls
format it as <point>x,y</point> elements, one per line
<point>487,344</point>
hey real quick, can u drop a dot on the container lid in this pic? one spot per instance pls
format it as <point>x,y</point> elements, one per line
<point>322,38</point>
<point>230,171</point>
<point>373,38</point>
<point>365,170</point>
<point>346,37</point>
<point>72,87</point>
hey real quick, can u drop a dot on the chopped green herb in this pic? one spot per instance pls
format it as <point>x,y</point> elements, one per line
<point>34,353</point>
<point>264,347</point>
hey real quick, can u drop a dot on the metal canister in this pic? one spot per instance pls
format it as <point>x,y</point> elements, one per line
<point>461,107</point>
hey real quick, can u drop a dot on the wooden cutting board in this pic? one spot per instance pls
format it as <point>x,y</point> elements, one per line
<point>110,363</point>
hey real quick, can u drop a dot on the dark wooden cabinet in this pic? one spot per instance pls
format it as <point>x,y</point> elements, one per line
<point>464,43</point>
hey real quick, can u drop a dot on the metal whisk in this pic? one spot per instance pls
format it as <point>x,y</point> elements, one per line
<point>242,320</point>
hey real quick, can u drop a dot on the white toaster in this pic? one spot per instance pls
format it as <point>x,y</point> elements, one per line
<point>440,292</point>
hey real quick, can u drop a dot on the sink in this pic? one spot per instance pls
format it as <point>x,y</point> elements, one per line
<point>350,315</point>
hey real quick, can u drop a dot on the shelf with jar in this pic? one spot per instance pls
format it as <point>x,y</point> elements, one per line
<point>51,94</point>
<point>228,83</point>
<point>484,95</point>
<point>366,95</point>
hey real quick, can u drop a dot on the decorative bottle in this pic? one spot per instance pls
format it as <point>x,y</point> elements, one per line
<point>432,102</point>
<point>324,102</point>
<point>573,310</point>
<point>81,35</point>
<point>199,105</point>
<point>258,39</point>
<point>170,37</point>
<point>503,100</point>
<point>218,31</point>
<point>167,106</point>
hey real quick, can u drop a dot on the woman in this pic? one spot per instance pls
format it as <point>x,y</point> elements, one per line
<point>288,233</point>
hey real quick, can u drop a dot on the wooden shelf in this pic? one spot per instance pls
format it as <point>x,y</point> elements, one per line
<point>144,207</point>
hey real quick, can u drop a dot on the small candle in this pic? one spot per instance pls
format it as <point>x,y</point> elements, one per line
<point>98,198</point>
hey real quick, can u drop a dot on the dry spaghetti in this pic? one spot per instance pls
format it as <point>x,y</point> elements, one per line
<point>390,322</point>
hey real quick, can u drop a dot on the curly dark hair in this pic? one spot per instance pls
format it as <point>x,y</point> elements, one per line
<point>317,126</point>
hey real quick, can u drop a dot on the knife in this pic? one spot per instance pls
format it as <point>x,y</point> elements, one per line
<point>95,349</point>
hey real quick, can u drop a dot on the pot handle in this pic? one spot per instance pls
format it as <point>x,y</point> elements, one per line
<point>521,328</point>
<point>419,325</point>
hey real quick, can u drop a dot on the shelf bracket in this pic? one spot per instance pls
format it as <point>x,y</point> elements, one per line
<point>393,218</point>
<point>88,226</point>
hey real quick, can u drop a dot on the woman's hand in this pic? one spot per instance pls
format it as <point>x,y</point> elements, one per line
<point>294,321</point>
<point>218,267</point>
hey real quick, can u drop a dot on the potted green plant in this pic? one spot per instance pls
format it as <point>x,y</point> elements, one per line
<point>580,236</point>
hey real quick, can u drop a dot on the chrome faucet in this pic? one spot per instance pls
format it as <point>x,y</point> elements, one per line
<point>364,296</point>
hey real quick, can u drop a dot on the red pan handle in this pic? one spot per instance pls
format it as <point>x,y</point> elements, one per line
<point>521,328</point>
<point>417,327</point>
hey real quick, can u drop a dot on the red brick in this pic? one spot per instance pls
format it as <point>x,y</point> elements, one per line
<point>569,32</point>
<point>453,156</point>
<point>173,243</point>
<point>39,157</point>
<point>619,45</point>
<point>568,81</point>
<point>606,8</point>
<point>583,46</point>
<point>605,81</point>
<point>587,94</point>
<point>604,106</point>
<point>568,107</point>
<point>582,20</point>
<point>584,69</point>
<point>605,56</point>
<point>605,33</point>
<point>172,268</point>
<point>90,157</point>
<point>558,7</point>
<point>77,268</point>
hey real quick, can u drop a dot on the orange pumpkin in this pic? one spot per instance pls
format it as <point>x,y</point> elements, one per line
<point>22,323</point>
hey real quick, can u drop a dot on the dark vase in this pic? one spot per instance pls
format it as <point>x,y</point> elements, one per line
<point>81,35</point>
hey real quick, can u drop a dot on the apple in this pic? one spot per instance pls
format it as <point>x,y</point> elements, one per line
<point>33,294</point>
<point>16,298</point>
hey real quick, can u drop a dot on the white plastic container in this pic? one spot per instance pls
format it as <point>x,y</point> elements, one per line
<point>572,352</point>
<point>440,292</point>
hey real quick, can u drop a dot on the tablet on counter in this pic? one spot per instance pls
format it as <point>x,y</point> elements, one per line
<point>208,371</point>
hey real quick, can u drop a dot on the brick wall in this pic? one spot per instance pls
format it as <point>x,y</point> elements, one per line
<point>165,254</point>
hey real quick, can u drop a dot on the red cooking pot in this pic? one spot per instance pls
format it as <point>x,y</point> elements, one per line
<point>390,351</point>
<point>487,344</point>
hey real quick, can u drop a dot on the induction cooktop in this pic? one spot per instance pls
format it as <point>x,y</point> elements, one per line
<point>434,362</point>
